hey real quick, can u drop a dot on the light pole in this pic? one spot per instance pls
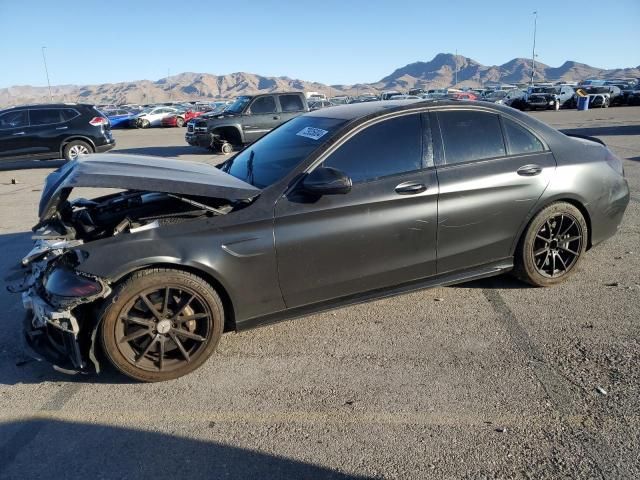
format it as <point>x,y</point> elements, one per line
<point>533,53</point>
<point>46,71</point>
<point>456,68</point>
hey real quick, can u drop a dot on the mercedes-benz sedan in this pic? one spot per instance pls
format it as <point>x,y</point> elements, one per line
<point>337,206</point>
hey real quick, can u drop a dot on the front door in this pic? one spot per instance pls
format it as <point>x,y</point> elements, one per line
<point>260,118</point>
<point>14,134</point>
<point>381,233</point>
<point>489,182</point>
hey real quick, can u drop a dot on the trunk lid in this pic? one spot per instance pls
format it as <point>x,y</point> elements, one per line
<point>139,172</point>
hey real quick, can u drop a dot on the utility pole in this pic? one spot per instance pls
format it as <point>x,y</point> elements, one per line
<point>169,82</point>
<point>46,71</point>
<point>456,68</point>
<point>533,53</point>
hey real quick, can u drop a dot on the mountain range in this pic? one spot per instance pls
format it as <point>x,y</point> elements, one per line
<point>442,71</point>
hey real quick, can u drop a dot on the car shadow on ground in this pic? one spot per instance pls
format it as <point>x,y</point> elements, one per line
<point>603,131</point>
<point>28,163</point>
<point>75,450</point>
<point>168,151</point>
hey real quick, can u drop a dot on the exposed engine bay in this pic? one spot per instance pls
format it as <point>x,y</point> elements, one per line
<point>57,295</point>
<point>60,300</point>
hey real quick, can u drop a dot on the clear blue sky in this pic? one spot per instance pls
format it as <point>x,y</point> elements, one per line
<point>331,41</point>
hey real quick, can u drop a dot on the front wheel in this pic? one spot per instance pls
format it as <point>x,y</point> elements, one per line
<point>145,124</point>
<point>179,122</point>
<point>552,246</point>
<point>161,324</point>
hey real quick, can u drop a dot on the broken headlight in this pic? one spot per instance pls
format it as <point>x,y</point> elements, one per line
<point>64,282</point>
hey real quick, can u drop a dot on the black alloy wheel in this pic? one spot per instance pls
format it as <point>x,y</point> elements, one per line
<point>161,324</point>
<point>552,245</point>
<point>557,245</point>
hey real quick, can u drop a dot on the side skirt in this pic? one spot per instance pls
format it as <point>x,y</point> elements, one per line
<point>460,276</point>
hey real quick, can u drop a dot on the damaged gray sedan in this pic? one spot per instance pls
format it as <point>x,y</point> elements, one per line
<point>334,207</point>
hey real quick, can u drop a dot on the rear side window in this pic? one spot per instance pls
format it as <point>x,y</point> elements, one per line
<point>291,103</point>
<point>387,148</point>
<point>14,119</point>
<point>69,114</point>
<point>519,139</point>
<point>468,135</point>
<point>263,105</point>
<point>45,116</point>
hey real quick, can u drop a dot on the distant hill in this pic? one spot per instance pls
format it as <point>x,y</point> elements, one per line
<point>440,72</point>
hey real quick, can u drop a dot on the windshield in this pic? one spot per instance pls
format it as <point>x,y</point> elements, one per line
<point>238,105</point>
<point>597,90</point>
<point>497,94</point>
<point>273,156</point>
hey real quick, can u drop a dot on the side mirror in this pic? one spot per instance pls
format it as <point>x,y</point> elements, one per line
<point>326,181</point>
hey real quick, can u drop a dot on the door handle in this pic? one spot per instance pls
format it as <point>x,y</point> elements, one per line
<point>410,188</point>
<point>276,117</point>
<point>529,170</point>
<point>61,128</point>
<point>19,133</point>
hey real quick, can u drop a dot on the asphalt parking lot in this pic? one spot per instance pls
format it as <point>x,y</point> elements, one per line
<point>490,379</point>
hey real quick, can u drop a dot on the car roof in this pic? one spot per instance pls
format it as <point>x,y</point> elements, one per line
<point>353,111</point>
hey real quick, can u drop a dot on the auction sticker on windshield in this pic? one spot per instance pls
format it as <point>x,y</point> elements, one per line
<point>312,133</point>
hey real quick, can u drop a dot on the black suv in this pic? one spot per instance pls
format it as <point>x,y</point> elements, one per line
<point>63,130</point>
<point>247,119</point>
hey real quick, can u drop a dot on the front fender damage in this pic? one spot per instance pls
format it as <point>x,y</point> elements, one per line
<point>58,329</point>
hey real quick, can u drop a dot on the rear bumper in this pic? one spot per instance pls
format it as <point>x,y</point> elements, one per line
<point>607,221</point>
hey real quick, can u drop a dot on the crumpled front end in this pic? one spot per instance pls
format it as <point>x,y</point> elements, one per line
<point>56,299</point>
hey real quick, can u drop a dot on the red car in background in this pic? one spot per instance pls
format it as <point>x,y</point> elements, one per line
<point>462,96</point>
<point>181,119</point>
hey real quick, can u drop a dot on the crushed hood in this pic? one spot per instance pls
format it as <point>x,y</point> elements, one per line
<point>138,172</point>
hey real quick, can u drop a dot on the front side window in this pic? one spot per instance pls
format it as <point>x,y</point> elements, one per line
<point>263,105</point>
<point>14,119</point>
<point>469,135</point>
<point>386,148</point>
<point>45,116</point>
<point>519,140</point>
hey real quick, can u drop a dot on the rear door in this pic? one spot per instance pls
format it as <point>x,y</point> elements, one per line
<point>489,182</point>
<point>291,106</point>
<point>381,233</point>
<point>14,129</point>
<point>262,116</point>
<point>48,127</point>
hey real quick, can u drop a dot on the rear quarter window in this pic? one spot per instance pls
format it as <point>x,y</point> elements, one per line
<point>520,141</point>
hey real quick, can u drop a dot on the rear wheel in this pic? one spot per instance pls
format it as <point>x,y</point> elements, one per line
<point>552,245</point>
<point>74,149</point>
<point>226,148</point>
<point>161,324</point>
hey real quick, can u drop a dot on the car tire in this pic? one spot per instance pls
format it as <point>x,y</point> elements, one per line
<point>75,148</point>
<point>226,148</point>
<point>150,340</point>
<point>145,123</point>
<point>605,104</point>
<point>552,246</point>
<point>179,122</point>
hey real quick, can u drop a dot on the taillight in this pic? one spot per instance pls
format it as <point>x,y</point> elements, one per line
<point>97,121</point>
<point>614,162</point>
